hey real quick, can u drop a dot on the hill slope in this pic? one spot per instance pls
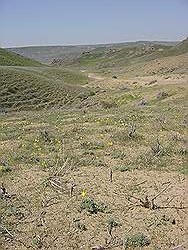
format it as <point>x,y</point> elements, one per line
<point>8,58</point>
<point>46,54</point>
<point>26,89</point>
<point>119,57</point>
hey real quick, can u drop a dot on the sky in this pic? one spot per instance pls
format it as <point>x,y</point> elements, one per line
<point>65,22</point>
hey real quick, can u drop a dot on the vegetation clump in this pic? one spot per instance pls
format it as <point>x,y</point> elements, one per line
<point>136,240</point>
<point>91,206</point>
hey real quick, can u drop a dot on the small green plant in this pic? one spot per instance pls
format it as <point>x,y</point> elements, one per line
<point>123,168</point>
<point>118,154</point>
<point>99,162</point>
<point>37,242</point>
<point>91,206</point>
<point>111,224</point>
<point>5,168</point>
<point>79,225</point>
<point>136,240</point>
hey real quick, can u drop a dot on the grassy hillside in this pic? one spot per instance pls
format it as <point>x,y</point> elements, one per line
<point>105,58</point>
<point>11,59</point>
<point>30,88</point>
<point>46,54</point>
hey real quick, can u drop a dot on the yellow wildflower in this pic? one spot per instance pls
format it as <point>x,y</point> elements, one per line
<point>83,193</point>
<point>110,143</point>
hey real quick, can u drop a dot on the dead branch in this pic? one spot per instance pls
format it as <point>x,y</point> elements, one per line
<point>7,231</point>
<point>72,189</point>
<point>56,185</point>
<point>3,192</point>
<point>61,168</point>
<point>149,203</point>
<point>15,239</point>
<point>143,182</point>
<point>145,203</point>
<point>162,191</point>
<point>111,174</point>
<point>164,207</point>
<point>46,203</point>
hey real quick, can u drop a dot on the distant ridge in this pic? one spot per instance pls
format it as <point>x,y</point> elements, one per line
<point>46,54</point>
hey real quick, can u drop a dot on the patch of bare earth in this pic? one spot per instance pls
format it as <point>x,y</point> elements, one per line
<point>48,209</point>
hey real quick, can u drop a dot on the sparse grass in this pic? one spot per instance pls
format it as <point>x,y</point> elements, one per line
<point>11,59</point>
<point>91,206</point>
<point>91,140</point>
<point>137,240</point>
<point>26,90</point>
<point>123,168</point>
<point>79,225</point>
<point>117,154</point>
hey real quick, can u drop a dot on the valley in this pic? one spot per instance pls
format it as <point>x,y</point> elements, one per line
<point>93,152</point>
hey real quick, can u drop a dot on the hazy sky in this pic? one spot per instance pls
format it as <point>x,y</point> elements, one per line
<point>59,22</point>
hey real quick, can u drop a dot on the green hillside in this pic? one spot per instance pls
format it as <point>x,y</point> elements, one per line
<point>12,59</point>
<point>116,57</point>
<point>46,54</point>
<point>26,89</point>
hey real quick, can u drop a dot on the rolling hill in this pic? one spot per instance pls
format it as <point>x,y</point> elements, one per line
<point>46,54</point>
<point>25,88</point>
<point>113,57</point>
<point>8,58</point>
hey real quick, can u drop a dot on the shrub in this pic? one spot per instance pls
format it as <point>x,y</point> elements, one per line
<point>91,206</point>
<point>123,168</point>
<point>136,240</point>
<point>118,154</point>
<point>111,222</point>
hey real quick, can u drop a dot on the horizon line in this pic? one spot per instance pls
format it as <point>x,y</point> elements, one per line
<point>88,44</point>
